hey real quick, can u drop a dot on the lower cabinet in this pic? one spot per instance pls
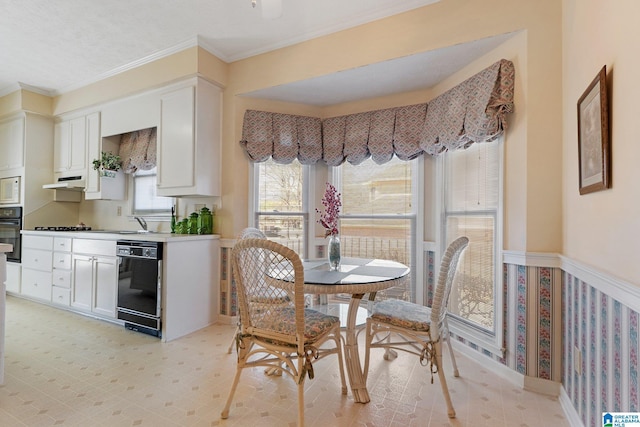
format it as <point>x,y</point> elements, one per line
<point>95,284</point>
<point>36,267</point>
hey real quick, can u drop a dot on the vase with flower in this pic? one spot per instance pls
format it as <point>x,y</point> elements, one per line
<point>329,220</point>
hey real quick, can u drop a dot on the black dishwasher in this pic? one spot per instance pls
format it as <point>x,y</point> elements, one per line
<point>140,285</point>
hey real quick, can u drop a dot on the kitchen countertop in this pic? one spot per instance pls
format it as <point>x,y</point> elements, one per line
<point>126,235</point>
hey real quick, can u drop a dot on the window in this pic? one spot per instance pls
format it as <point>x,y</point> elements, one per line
<point>472,200</point>
<point>280,203</point>
<point>378,218</point>
<point>145,200</point>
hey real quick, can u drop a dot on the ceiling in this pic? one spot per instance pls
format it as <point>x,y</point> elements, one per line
<point>57,46</point>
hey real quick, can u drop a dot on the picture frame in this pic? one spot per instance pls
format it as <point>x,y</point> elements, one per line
<point>594,148</point>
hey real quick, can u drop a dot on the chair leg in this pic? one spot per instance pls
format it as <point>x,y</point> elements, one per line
<point>225,412</point>
<point>367,352</point>
<point>341,363</point>
<point>453,358</point>
<point>301,403</point>
<point>443,380</point>
<point>233,340</point>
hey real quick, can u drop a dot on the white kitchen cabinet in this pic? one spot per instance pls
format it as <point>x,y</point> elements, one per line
<point>14,277</point>
<point>37,263</point>
<point>12,143</point>
<point>95,277</point>
<point>189,141</point>
<point>100,187</point>
<point>70,147</point>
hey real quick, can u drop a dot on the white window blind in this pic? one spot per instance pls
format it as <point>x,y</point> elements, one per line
<point>145,199</point>
<point>472,200</point>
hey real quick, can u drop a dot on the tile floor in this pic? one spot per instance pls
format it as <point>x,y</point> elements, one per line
<point>63,369</point>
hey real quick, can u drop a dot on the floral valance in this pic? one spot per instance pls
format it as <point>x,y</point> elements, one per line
<point>138,150</point>
<point>473,111</point>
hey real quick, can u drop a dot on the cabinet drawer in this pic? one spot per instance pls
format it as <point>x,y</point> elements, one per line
<point>94,247</point>
<point>62,244</point>
<point>38,242</point>
<point>36,284</point>
<point>61,278</point>
<point>60,296</point>
<point>36,259</point>
<point>62,260</point>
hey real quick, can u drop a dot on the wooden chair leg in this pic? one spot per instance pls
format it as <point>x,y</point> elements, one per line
<point>301,403</point>
<point>233,340</point>
<point>443,380</point>
<point>453,358</point>
<point>225,412</point>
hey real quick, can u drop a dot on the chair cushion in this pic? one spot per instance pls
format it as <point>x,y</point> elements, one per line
<point>403,314</point>
<point>317,324</point>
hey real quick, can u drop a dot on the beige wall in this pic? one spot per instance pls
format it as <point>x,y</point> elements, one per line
<point>601,229</point>
<point>533,143</point>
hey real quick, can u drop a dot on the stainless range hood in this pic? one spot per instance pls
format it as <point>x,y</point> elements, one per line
<point>74,183</point>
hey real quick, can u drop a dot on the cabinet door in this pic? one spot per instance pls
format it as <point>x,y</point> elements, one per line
<point>176,145</point>
<point>70,146</point>
<point>61,147</point>
<point>77,144</point>
<point>93,151</point>
<point>82,282</point>
<point>105,287</point>
<point>36,284</point>
<point>12,144</point>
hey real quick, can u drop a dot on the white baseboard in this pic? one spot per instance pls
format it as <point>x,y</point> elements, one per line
<point>224,319</point>
<point>503,371</point>
<point>542,386</point>
<point>569,410</point>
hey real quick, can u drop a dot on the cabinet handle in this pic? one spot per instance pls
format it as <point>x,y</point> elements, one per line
<point>61,261</point>
<point>35,284</point>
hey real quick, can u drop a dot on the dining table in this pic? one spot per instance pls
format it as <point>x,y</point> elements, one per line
<point>357,277</point>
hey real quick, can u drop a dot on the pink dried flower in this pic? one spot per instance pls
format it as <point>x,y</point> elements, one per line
<point>329,218</point>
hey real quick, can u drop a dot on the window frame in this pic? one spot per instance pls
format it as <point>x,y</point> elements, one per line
<point>489,340</point>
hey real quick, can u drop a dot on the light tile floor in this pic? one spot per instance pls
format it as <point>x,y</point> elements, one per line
<point>63,369</point>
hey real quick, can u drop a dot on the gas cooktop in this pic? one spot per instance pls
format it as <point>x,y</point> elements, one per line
<point>63,228</point>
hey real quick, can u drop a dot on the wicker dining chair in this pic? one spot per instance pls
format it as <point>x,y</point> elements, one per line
<point>416,329</point>
<point>289,336</point>
<point>247,233</point>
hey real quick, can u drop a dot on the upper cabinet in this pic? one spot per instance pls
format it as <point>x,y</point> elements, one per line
<point>99,186</point>
<point>70,147</point>
<point>12,144</point>
<point>189,139</point>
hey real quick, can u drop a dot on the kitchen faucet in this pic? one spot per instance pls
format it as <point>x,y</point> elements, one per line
<point>142,222</point>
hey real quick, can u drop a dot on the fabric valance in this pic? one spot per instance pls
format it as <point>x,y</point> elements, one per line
<point>138,150</point>
<point>473,111</point>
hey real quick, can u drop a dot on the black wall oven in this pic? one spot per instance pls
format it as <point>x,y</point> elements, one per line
<point>139,285</point>
<point>10,226</point>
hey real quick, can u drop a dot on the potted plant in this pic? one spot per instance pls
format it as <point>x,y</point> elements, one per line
<point>108,164</point>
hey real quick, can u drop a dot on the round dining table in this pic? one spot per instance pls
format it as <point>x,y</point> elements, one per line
<point>357,277</point>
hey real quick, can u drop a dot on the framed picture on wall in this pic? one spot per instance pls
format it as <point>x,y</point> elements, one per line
<point>593,136</point>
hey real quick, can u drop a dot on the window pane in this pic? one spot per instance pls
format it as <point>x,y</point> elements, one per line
<point>145,199</point>
<point>281,212</point>
<point>380,238</point>
<point>280,187</point>
<point>369,188</point>
<point>287,230</point>
<point>472,296</point>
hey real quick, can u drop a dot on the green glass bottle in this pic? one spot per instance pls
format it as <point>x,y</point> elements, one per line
<point>173,219</point>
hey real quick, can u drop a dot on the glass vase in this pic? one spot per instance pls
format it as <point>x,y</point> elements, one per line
<point>334,252</point>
